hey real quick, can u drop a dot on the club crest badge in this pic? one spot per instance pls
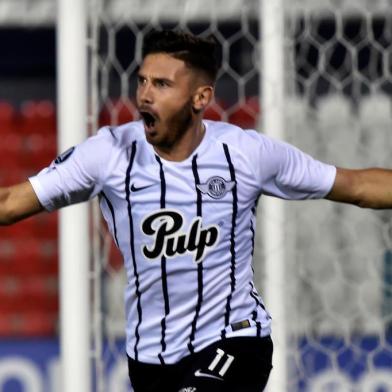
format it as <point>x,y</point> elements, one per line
<point>216,187</point>
<point>64,156</point>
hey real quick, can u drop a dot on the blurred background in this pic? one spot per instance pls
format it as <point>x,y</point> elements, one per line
<point>29,250</point>
<point>338,86</point>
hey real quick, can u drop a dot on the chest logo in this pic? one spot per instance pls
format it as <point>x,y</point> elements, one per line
<point>166,228</point>
<point>139,188</point>
<point>216,187</point>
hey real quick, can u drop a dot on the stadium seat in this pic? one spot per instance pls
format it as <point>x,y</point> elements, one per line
<point>11,148</point>
<point>28,139</point>
<point>12,175</point>
<point>30,286</point>
<point>117,111</point>
<point>215,111</point>
<point>28,250</point>
<point>19,231</point>
<point>246,114</point>
<point>45,226</point>
<point>7,117</point>
<point>38,117</point>
<point>26,256</point>
<point>26,301</point>
<point>39,150</point>
<point>39,323</point>
<point>38,128</point>
<point>28,324</point>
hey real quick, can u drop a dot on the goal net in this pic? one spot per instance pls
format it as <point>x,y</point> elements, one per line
<point>338,86</point>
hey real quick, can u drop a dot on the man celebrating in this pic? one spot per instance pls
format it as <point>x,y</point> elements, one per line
<point>179,195</point>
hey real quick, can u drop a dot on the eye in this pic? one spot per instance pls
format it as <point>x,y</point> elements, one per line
<point>141,80</point>
<point>161,83</point>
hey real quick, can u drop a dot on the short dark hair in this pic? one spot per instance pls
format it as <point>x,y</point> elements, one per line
<point>199,53</point>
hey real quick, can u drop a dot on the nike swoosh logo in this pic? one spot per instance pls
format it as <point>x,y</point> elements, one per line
<point>134,189</point>
<point>199,373</point>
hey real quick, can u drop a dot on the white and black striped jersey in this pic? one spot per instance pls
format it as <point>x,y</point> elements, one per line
<point>185,229</point>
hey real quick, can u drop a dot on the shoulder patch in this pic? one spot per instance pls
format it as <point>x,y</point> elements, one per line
<point>64,156</point>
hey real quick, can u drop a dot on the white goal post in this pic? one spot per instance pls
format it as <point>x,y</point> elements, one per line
<point>74,238</point>
<point>271,220</point>
<point>318,75</point>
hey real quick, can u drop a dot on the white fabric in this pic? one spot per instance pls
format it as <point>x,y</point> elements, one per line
<point>202,295</point>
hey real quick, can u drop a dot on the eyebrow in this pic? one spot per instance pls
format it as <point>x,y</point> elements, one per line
<point>157,78</point>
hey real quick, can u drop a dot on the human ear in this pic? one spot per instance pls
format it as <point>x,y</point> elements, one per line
<point>202,97</point>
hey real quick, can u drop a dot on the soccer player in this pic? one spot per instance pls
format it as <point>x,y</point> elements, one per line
<point>179,195</point>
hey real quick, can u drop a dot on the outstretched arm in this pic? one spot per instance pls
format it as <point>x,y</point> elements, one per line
<point>367,188</point>
<point>18,202</point>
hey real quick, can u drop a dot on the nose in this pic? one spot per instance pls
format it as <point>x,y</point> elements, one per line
<point>145,93</point>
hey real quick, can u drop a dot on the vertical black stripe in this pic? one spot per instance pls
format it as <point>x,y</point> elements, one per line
<point>232,239</point>
<point>256,297</point>
<point>199,265</point>
<point>252,294</point>
<point>109,204</point>
<point>163,267</point>
<point>253,237</point>
<point>258,324</point>
<point>254,314</point>
<point>132,244</point>
<point>253,230</point>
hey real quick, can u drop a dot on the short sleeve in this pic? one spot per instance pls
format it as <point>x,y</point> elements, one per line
<point>284,171</point>
<point>76,175</point>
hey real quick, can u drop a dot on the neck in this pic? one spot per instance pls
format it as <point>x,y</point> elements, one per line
<point>185,146</point>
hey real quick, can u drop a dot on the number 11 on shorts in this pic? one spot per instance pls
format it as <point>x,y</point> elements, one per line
<point>219,355</point>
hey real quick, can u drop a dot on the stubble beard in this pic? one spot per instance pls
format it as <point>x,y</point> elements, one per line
<point>176,128</point>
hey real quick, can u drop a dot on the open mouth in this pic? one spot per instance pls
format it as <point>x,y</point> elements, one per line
<point>148,118</point>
